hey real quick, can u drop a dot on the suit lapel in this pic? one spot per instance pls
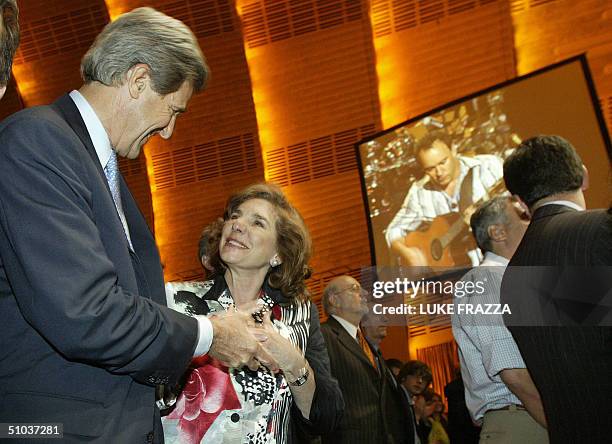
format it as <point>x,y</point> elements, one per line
<point>69,111</point>
<point>350,343</point>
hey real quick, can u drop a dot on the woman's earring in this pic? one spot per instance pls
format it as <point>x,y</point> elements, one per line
<point>274,262</point>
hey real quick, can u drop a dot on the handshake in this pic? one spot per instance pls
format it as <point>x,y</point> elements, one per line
<point>238,341</point>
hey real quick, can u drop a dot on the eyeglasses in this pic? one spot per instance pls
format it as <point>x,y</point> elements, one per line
<point>354,288</point>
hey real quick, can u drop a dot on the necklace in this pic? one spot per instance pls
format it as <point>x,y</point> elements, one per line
<point>258,316</point>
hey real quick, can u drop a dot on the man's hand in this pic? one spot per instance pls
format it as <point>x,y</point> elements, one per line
<point>411,256</point>
<point>234,345</point>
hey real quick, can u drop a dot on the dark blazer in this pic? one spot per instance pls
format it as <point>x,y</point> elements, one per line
<point>373,408</point>
<point>555,313</point>
<point>85,337</point>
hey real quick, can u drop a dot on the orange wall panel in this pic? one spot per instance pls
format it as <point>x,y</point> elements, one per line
<point>314,90</point>
<point>429,53</point>
<point>556,30</point>
<point>47,63</point>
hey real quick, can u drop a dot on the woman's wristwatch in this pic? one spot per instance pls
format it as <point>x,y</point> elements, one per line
<point>304,373</point>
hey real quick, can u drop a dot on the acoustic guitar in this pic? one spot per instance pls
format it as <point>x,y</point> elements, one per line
<point>446,240</point>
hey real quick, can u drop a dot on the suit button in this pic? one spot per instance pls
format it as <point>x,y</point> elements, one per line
<point>150,437</point>
<point>235,417</point>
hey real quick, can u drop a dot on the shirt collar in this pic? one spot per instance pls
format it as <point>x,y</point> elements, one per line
<point>565,203</point>
<point>491,258</point>
<point>408,395</point>
<point>350,328</point>
<point>94,126</point>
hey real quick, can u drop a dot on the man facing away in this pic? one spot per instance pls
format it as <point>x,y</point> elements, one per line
<point>439,191</point>
<point>499,391</point>
<point>85,332</point>
<point>9,40</point>
<point>556,286</point>
<point>373,409</point>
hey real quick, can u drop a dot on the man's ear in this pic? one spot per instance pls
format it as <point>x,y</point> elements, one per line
<point>585,179</point>
<point>333,299</point>
<point>523,206</point>
<point>138,79</point>
<point>497,232</point>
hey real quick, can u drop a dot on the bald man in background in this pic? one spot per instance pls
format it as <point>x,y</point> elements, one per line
<point>9,40</point>
<point>374,409</point>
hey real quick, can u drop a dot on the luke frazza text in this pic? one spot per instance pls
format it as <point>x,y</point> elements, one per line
<point>405,286</point>
<point>441,309</point>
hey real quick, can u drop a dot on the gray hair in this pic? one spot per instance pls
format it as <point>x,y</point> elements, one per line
<point>147,36</point>
<point>9,38</point>
<point>330,289</point>
<point>491,212</point>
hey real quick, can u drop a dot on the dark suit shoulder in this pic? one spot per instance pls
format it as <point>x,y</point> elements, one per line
<point>40,131</point>
<point>327,332</point>
<point>579,238</point>
<point>37,116</point>
<point>332,328</point>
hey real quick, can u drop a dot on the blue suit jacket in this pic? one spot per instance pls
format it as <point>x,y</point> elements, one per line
<point>85,335</point>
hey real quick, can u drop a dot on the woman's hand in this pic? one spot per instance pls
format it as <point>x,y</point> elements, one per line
<point>286,355</point>
<point>290,360</point>
<point>234,346</point>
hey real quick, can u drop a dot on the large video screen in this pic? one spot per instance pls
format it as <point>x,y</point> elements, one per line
<point>422,179</point>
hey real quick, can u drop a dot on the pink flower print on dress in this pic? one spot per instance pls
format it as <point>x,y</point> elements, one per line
<point>208,392</point>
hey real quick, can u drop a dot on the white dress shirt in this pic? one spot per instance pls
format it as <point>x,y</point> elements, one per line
<point>102,145</point>
<point>565,203</point>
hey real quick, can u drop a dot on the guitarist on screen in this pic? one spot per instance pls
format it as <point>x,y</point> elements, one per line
<point>450,185</point>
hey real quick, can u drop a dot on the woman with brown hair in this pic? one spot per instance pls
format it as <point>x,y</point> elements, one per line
<point>262,259</point>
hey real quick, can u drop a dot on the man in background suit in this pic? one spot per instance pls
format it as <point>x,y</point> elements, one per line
<point>9,40</point>
<point>373,409</point>
<point>85,332</point>
<point>556,284</point>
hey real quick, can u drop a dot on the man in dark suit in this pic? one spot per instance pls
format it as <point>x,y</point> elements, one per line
<point>9,40</point>
<point>556,285</point>
<point>85,333</point>
<point>373,408</point>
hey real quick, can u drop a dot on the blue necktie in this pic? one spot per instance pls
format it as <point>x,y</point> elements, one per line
<point>111,171</point>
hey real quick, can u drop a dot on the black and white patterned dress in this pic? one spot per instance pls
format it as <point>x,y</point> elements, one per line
<point>233,405</point>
